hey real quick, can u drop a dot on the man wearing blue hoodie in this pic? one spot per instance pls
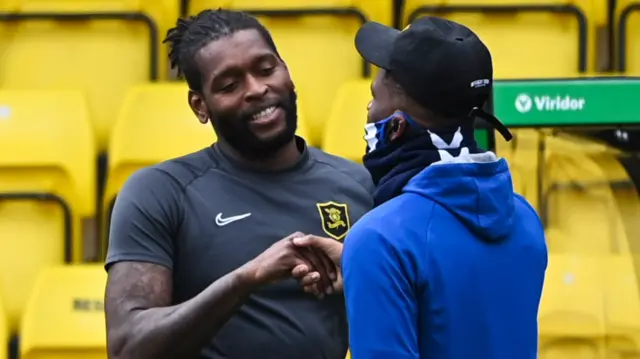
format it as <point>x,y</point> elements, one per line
<point>451,262</point>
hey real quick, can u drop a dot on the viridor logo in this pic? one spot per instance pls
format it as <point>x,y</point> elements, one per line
<point>524,103</point>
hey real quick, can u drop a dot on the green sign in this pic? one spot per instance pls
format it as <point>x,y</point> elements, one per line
<point>579,102</point>
<point>482,139</point>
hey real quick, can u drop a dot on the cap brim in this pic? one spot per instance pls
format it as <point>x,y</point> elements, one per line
<point>374,42</point>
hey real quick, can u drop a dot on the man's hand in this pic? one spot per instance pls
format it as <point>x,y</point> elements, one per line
<point>283,260</point>
<point>332,250</point>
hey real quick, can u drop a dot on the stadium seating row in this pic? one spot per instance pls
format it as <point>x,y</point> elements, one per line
<point>103,47</point>
<point>590,309</point>
<point>590,303</point>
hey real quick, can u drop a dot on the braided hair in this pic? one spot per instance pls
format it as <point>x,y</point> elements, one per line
<point>194,32</point>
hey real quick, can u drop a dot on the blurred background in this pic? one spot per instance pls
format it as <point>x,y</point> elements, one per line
<point>87,98</point>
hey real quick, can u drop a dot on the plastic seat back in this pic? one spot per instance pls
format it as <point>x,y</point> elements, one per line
<point>522,154</point>
<point>622,288</point>
<point>155,124</point>
<point>47,187</point>
<point>527,38</point>
<point>64,317</point>
<point>4,332</point>
<point>628,27</point>
<point>577,191</point>
<point>625,193</point>
<point>572,322</point>
<point>622,305</point>
<point>344,130</point>
<point>582,178</point>
<point>99,47</point>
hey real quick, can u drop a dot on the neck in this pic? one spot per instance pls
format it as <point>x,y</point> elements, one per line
<point>283,158</point>
<point>392,166</point>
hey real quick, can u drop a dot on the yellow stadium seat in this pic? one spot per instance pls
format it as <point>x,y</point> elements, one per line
<point>591,302</point>
<point>571,319</point>
<point>47,186</point>
<point>628,27</point>
<point>315,38</point>
<point>577,191</point>
<point>625,195</point>
<point>622,287</point>
<point>622,306</point>
<point>344,130</point>
<point>64,317</point>
<point>590,306</point>
<point>4,332</point>
<point>155,124</point>
<point>527,38</point>
<point>522,154</point>
<point>99,47</point>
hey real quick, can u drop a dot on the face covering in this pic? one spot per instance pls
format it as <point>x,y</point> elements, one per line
<point>376,134</point>
<point>393,163</point>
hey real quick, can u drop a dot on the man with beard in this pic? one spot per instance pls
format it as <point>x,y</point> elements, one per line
<point>196,261</point>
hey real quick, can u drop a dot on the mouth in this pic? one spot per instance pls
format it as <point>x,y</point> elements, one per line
<point>267,115</point>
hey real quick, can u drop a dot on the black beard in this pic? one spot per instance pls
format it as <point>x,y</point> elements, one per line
<point>236,131</point>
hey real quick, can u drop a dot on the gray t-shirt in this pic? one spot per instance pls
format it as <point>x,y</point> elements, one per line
<point>204,215</point>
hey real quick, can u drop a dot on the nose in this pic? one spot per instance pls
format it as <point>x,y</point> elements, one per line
<point>256,89</point>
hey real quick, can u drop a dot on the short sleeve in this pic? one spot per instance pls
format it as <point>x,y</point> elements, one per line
<point>145,219</point>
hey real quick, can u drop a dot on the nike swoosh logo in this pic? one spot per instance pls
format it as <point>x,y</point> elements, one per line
<point>224,221</point>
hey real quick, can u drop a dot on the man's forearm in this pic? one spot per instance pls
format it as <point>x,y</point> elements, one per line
<point>181,331</point>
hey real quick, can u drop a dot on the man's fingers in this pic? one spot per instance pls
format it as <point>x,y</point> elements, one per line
<point>332,248</point>
<point>310,279</point>
<point>307,241</point>
<point>313,289</point>
<point>317,265</point>
<point>338,284</point>
<point>295,235</point>
<point>301,271</point>
<point>309,282</point>
<point>315,250</point>
<point>328,264</point>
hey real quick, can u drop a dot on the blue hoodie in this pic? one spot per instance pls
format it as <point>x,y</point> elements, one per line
<point>452,268</point>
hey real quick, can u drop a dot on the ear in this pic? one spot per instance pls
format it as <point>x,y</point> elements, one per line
<point>398,125</point>
<point>290,80</point>
<point>199,108</point>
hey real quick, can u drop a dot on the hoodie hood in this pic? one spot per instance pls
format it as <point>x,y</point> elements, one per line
<point>477,188</point>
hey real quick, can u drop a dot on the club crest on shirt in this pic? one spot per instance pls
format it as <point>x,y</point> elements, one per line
<point>335,219</point>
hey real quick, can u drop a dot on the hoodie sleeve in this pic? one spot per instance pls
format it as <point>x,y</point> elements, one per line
<point>381,303</point>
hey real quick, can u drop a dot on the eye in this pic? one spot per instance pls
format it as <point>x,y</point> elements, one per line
<point>229,87</point>
<point>267,70</point>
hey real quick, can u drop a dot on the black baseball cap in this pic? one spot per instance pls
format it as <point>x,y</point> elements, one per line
<point>442,65</point>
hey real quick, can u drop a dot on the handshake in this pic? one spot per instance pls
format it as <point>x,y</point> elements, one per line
<point>313,261</point>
